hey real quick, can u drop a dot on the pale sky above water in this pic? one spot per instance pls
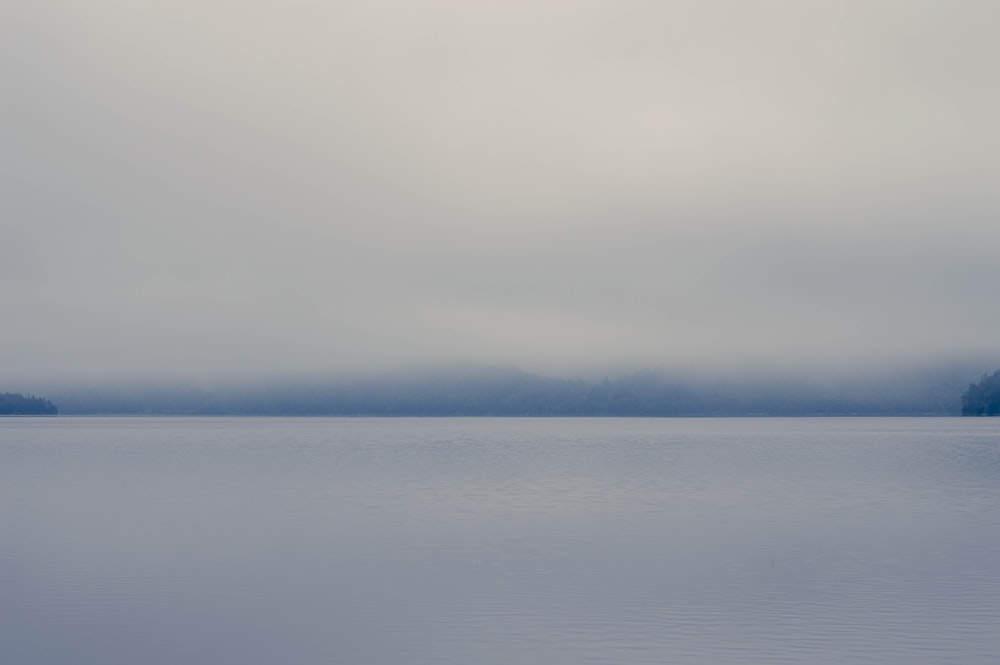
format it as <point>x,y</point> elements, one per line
<point>201,187</point>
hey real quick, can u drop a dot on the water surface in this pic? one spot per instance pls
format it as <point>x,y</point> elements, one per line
<point>550,541</point>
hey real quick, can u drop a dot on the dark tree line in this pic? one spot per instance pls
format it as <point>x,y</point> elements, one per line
<point>983,398</point>
<point>508,391</point>
<point>16,404</point>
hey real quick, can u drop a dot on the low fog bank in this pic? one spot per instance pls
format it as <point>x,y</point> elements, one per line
<point>304,187</point>
<point>504,390</point>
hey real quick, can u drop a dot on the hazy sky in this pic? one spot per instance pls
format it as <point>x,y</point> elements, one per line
<point>204,186</point>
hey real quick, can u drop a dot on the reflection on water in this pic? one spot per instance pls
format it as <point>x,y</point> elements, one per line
<point>302,541</point>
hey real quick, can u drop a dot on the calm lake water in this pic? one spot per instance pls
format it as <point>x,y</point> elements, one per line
<point>147,541</point>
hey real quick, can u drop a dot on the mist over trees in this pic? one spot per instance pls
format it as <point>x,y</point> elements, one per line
<point>16,404</point>
<point>983,398</point>
<point>472,390</point>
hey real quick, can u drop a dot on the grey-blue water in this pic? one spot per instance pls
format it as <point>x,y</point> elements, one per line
<point>148,541</point>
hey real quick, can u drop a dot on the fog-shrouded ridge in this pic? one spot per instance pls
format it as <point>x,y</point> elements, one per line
<point>199,188</point>
<point>470,390</point>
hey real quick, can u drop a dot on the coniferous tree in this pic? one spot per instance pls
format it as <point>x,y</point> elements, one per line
<point>15,404</point>
<point>983,398</point>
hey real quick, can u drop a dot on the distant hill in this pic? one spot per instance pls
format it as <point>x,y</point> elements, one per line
<point>472,390</point>
<point>983,398</point>
<point>15,404</point>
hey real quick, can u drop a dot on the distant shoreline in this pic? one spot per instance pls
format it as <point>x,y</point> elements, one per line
<point>506,391</point>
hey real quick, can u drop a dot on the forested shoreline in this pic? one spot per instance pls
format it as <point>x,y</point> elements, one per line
<point>508,391</point>
<point>16,404</point>
<point>983,398</point>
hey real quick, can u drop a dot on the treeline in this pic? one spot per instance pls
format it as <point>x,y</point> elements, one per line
<point>507,391</point>
<point>983,398</point>
<point>16,404</point>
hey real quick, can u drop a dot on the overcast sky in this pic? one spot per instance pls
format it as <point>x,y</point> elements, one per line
<point>193,187</point>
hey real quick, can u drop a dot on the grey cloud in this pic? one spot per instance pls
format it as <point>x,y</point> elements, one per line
<point>201,187</point>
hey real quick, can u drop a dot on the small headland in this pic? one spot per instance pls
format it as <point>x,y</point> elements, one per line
<point>16,404</point>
